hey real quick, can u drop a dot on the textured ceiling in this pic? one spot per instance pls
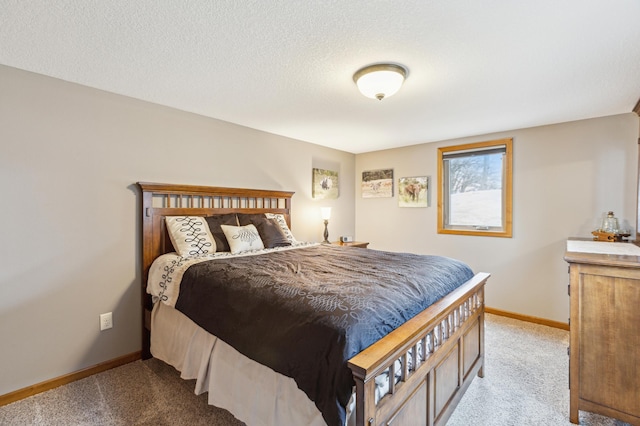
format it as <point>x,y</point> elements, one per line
<point>286,66</point>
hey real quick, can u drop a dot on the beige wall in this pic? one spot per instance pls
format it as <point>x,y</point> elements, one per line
<point>70,156</point>
<point>566,177</point>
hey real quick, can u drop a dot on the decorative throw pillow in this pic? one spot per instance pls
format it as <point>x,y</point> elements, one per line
<point>269,230</point>
<point>190,235</point>
<point>280,220</point>
<point>247,218</point>
<point>242,238</point>
<point>214,223</point>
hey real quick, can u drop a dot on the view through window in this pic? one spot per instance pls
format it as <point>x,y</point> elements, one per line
<point>475,189</point>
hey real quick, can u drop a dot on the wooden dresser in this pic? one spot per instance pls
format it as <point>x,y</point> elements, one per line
<point>604,363</point>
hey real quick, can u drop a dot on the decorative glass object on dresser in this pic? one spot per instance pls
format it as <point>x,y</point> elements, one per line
<point>610,230</point>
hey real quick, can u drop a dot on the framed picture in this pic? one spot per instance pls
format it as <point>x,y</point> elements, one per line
<point>324,184</point>
<point>414,191</point>
<point>377,183</point>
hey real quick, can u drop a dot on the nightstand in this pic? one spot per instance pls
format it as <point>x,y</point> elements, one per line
<point>358,244</point>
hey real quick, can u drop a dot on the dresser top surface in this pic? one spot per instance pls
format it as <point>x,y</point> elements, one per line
<point>581,250</point>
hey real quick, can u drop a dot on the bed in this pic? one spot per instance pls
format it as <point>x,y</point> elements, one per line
<point>415,374</point>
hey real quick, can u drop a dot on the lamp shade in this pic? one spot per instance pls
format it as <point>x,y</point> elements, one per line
<point>380,81</point>
<point>325,213</point>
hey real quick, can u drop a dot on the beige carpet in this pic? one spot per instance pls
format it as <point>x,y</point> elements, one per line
<point>525,383</point>
<point>526,380</point>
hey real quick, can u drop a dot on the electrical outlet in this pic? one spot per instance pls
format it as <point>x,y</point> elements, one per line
<point>106,321</point>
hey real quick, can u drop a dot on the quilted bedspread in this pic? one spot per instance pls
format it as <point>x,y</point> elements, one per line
<point>304,312</point>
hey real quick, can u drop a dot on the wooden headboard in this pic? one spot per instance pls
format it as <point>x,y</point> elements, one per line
<point>160,200</point>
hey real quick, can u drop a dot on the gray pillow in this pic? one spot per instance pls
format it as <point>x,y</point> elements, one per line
<point>214,223</point>
<point>269,230</point>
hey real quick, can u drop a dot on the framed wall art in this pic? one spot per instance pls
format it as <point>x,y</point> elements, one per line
<point>325,184</point>
<point>414,191</point>
<point>377,183</point>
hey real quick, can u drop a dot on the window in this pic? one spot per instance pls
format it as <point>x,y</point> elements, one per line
<point>475,195</point>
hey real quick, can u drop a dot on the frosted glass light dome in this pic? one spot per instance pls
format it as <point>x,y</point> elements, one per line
<point>380,81</point>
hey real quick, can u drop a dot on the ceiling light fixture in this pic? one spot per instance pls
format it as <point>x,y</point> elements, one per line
<point>380,81</point>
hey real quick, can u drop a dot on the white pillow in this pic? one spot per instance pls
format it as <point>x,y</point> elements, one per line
<point>190,235</point>
<point>242,238</point>
<point>283,225</point>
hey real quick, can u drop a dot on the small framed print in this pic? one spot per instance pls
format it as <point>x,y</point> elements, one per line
<point>414,191</point>
<point>325,184</point>
<point>377,183</point>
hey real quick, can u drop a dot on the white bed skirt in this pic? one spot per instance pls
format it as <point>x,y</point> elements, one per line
<point>252,392</point>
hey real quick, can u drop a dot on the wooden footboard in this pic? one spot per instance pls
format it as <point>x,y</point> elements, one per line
<point>445,344</point>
